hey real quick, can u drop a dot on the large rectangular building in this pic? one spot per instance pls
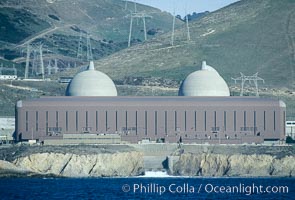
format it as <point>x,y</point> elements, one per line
<point>224,120</point>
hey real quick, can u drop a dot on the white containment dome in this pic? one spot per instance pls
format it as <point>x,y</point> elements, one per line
<point>204,82</point>
<point>91,83</point>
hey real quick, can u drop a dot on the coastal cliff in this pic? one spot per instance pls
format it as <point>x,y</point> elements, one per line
<point>121,163</point>
<point>134,160</point>
<point>218,165</point>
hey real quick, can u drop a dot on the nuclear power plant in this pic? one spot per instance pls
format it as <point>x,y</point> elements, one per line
<point>203,113</point>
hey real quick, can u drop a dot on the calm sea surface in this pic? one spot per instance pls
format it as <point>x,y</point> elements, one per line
<point>148,188</point>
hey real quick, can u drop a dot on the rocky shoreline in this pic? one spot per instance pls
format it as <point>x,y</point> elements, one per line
<point>129,161</point>
<point>71,161</point>
<point>218,165</point>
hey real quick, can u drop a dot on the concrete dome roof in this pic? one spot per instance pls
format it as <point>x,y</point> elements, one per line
<point>205,82</point>
<point>91,83</point>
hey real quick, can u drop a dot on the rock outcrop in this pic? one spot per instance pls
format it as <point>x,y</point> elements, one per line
<point>217,165</point>
<point>72,165</point>
<point>71,161</point>
<point>8,169</point>
<point>133,160</point>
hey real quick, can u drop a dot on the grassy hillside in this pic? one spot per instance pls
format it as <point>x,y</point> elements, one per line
<point>17,24</point>
<point>102,19</point>
<point>249,36</point>
<point>59,24</point>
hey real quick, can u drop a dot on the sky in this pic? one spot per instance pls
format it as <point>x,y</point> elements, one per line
<point>186,6</point>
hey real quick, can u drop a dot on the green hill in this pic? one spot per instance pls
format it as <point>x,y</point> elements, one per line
<point>58,25</point>
<point>248,36</point>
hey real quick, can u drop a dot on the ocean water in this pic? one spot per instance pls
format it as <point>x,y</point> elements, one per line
<point>148,188</point>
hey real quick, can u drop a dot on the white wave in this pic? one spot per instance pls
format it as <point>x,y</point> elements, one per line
<point>156,174</point>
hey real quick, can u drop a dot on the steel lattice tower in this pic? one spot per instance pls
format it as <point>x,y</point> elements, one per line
<point>89,48</point>
<point>250,79</point>
<point>37,51</point>
<point>79,51</point>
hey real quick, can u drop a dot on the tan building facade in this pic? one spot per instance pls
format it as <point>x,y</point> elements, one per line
<point>200,120</point>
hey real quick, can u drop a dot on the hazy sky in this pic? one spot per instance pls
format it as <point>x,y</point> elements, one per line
<point>189,5</point>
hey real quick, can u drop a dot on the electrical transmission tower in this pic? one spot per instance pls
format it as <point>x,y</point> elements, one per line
<point>89,48</point>
<point>79,52</point>
<point>55,66</point>
<point>187,27</point>
<point>37,61</point>
<point>173,29</point>
<point>137,15</point>
<point>49,67</point>
<point>250,79</point>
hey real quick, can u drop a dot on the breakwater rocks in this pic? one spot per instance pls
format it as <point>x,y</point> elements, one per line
<point>97,161</point>
<point>218,165</point>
